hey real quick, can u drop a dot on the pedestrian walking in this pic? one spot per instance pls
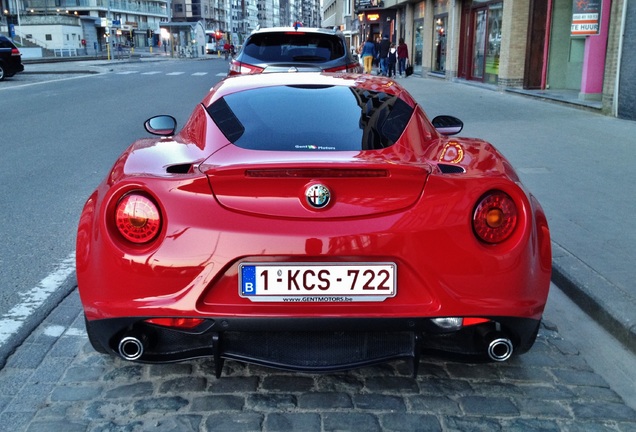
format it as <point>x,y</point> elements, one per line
<point>402,56</point>
<point>385,45</point>
<point>392,60</point>
<point>367,52</point>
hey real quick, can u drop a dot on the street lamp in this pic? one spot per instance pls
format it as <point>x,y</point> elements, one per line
<point>17,9</point>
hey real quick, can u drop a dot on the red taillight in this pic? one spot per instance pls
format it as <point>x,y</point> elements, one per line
<point>495,217</point>
<point>351,67</point>
<point>336,69</point>
<point>474,321</point>
<point>15,52</point>
<point>238,68</point>
<point>137,218</point>
<point>184,323</point>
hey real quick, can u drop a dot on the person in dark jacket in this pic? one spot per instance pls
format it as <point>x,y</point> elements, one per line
<point>385,45</point>
<point>402,55</point>
<point>391,60</point>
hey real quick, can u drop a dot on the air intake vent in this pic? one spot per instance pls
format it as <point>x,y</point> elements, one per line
<point>179,169</point>
<point>451,169</point>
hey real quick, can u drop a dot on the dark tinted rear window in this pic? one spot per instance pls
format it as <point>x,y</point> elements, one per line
<point>311,118</point>
<point>294,47</point>
<point>5,43</point>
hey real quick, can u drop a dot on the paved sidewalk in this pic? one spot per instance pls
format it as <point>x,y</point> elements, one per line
<point>580,164</point>
<point>56,382</point>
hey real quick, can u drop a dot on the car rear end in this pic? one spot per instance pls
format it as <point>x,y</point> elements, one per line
<point>10,59</point>
<point>293,50</point>
<point>309,245</point>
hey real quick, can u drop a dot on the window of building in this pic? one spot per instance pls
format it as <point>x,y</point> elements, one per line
<point>485,42</point>
<point>439,43</point>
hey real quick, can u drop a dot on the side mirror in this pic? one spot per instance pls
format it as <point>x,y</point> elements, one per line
<point>448,125</point>
<point>163,125</point>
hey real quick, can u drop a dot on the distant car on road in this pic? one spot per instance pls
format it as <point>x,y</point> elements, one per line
<point>10,58</point>
<point>294,49</point>
<point>313,222</point>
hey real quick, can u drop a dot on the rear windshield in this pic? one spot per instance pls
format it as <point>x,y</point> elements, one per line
<point>6,43</point>
<point>311,118</point>
<point>294,47</point>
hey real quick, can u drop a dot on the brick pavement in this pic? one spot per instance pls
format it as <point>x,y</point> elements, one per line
<point>56,382</point>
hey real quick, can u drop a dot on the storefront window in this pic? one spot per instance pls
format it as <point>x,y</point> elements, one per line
<point>486,41</point>
<point>439,44</point>
<point>419,46</point>
<point>493,50</point>
<point>479,31</point>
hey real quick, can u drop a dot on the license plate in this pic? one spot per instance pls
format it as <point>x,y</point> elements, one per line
<point>317,282</point>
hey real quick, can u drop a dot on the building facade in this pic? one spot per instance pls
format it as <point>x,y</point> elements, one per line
<point>84,24</point>
<point>583,48</point>
<point>90,23</point>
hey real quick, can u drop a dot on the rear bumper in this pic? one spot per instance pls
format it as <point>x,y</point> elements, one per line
<point>10,69</point>
<point>302,344</point>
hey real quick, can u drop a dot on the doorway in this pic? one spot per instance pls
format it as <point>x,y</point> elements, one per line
<point>482,42</point>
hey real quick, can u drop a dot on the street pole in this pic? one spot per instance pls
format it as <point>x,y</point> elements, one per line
<point>108,28</point>
<point>231,22</point>
<point>17,8</point>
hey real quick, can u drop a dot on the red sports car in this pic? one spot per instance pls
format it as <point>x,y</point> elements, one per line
<point>311,222</point>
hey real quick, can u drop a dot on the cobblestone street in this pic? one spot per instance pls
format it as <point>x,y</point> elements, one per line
<point>56,382</point>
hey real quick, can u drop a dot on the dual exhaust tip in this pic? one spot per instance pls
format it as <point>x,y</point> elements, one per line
<point>131,348</point>
<point>499,348</point>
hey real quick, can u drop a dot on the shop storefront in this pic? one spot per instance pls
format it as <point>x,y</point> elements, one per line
<point>568,40</point>
<point>375,21</point>
<point>418,38</point>
<point>481,40</point>
<point>440,48</point>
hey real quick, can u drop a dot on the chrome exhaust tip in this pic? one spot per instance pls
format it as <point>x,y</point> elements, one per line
<point>500,349</point>
<point>131,348</point>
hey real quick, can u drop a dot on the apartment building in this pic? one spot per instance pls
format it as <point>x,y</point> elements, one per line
<point>88,24</point>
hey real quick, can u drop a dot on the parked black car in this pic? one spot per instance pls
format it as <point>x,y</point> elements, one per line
<point>294,49</point>
<point>10,58</point>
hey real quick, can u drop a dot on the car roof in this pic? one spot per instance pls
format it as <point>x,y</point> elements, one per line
<point>247,82</point>
<point>6,40</point>
<point>330,31</point>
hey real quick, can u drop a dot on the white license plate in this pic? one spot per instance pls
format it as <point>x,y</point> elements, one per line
<point>317,282</point>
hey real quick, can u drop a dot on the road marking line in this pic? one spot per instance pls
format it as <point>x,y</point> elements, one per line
<point>127,72</point>
<point>175,73</point>
<point>32,299</point>
<point>151,73</point>
<point>54,331</point>
<point>48,82</point>
<point>57,331</point>
<point>199,73</point>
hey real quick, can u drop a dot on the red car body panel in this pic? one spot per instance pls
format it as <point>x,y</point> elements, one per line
<point>216,217</point>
